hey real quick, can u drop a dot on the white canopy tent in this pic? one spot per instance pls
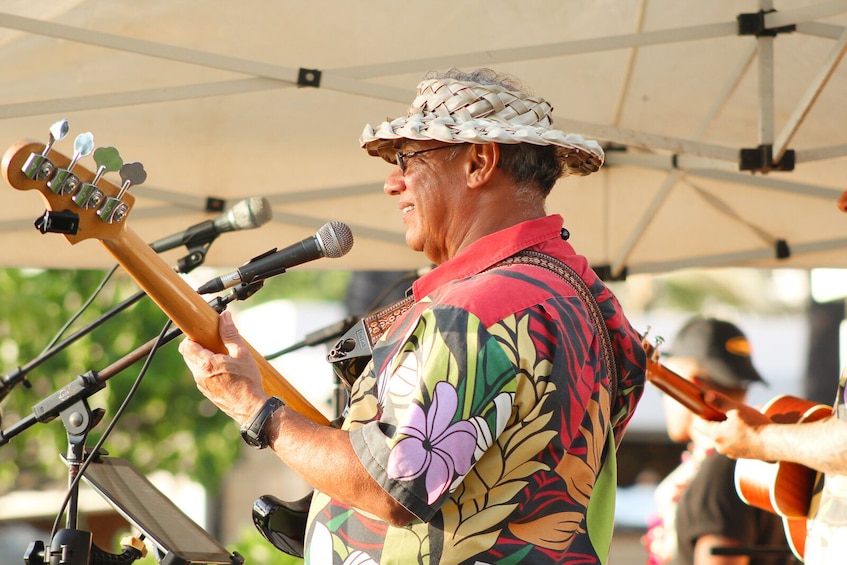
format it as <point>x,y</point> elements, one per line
<point>698,104</point>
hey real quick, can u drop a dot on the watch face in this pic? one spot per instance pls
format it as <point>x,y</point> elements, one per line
<point>250,437</point>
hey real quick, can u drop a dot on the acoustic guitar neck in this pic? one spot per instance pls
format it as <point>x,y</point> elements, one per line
<point>682,390</point>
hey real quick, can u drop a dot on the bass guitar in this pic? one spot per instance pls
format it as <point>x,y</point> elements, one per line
<point>782,487</point>
<point>82,204</point>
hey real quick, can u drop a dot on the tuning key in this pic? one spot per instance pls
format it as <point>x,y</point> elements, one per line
<point>107,159</point>
<point>114,209</point>
<point>131,174</point>
<point>38,166</point>
<point>64,181</point>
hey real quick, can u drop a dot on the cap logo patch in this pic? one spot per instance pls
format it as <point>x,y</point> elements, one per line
<point>739,346</point>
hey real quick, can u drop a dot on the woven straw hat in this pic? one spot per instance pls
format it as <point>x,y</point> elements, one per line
<point>454,111</point>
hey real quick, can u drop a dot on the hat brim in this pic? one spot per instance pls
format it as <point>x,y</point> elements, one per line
<point>736,374</point>
<point>578,155</point>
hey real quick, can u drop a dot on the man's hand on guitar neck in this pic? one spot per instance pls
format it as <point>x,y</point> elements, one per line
<point>738,435</point>
<point>322,455</point>
<point>232,382</point>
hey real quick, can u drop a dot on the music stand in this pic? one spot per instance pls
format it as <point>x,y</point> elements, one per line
<point>180,540</point>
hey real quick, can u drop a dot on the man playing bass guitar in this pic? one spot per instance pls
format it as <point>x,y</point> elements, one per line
<point>485,427</point>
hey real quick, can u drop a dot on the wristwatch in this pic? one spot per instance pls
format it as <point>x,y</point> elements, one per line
<point>253,432</point>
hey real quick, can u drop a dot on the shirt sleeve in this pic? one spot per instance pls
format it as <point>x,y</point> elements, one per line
<point>445,397</point>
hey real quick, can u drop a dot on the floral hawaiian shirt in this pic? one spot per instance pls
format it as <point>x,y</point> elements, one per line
<point>486,412</point>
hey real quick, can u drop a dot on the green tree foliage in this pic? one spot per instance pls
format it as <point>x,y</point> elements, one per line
<point>168,425</point>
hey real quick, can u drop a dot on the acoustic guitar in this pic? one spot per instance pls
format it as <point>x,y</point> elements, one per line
<point>783,488</point>
<point>84,205</point>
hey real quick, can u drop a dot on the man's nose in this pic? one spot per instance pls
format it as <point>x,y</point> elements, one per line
<point>394,183</point>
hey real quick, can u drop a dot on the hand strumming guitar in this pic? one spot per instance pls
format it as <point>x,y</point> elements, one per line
<point>737,435</point>
<point>817,443</point>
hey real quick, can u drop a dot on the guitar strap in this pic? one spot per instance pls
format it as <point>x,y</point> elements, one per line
<point>576,282</point>
<point>352,352</point>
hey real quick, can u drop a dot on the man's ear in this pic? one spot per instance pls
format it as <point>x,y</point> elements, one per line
<point>482,163</point>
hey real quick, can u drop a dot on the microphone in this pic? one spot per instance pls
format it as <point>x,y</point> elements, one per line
<point>244,215</point>
<point>334,239</point>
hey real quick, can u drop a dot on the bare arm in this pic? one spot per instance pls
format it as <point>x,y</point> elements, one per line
<point>321,455</point>
<point>324,457</point>
<point>747,433</point>
<point>820,445</point>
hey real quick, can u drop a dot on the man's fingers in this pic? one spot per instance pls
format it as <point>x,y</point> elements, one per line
<point>229,334</point>
<point>188,346</point>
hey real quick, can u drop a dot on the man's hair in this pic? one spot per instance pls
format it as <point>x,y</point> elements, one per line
<point>530,166</point>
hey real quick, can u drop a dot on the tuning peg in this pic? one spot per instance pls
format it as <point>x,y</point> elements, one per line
<point>38,166</point>
<point>114,209</point>
<point>64,181</point>
<point>652,349</point>
<point>132,174</point>
<point>658,341</point>
<point>107,159</point>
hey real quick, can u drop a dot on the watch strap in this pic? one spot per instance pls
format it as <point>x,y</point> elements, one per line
<point>253,432</point>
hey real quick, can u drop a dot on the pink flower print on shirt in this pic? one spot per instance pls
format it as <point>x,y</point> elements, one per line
<point>433,445</point>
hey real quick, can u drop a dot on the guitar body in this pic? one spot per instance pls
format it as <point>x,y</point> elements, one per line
<point>795,534</point>
<point>282,523</point>
<point>783,487</point>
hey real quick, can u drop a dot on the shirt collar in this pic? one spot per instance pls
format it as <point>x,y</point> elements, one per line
<point>488,250</point>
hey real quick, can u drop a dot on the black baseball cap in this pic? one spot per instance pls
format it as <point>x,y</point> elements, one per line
<point>720,348</point>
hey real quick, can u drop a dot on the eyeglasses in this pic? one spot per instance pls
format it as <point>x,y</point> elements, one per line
<point>400,158</point>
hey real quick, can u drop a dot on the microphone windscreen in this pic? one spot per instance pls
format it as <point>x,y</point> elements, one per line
<point>248,214</point>
<point>335,239</point>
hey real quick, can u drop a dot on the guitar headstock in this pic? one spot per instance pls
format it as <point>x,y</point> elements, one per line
<point>81,204</point>
<point>682,390</point>
<point>651,348</point>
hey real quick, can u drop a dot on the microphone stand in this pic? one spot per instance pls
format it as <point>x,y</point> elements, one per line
<point>323,335</point>
<point>71,546</point>
<point>338,329</point>
<point>196,256</point>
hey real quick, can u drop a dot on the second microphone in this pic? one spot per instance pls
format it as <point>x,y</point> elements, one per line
<point>333,240</point>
